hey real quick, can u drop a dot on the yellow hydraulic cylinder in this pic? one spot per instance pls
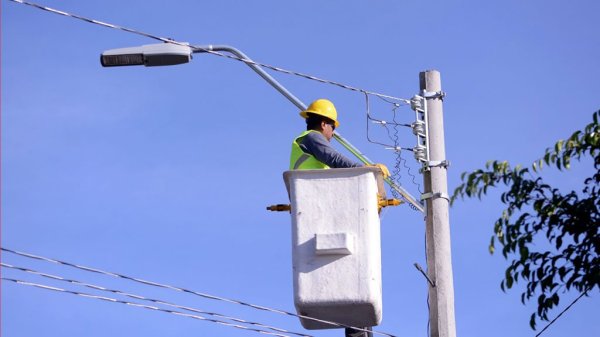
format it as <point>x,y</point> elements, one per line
<point>388,202</point>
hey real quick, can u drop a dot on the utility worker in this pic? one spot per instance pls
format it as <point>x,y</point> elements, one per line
<point>311,150</point>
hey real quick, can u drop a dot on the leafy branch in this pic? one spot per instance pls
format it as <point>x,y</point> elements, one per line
<point>569,222</point>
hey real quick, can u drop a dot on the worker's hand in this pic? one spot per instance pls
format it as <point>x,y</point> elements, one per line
<point>384,169</point>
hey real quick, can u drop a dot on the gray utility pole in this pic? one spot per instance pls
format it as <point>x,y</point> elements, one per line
<point>439,259</point>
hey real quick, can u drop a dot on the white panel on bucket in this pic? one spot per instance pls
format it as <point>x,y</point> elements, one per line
<point>334,244</point>
<point>336,210</point>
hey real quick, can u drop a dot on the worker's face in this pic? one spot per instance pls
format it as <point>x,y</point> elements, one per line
<point>327,129</point>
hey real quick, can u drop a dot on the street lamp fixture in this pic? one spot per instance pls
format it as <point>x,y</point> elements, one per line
<point>150,55</point>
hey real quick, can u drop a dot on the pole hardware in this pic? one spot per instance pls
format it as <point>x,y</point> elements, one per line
<point>419,268</point>
<point>434,163</point>
<point>416,103</point>
<point>420,152</point>
<point>279,208</point>
<point>418,128</point>
<point>436,195</point>
<point>434,94</point>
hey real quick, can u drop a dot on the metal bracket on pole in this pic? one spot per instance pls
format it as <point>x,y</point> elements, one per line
<point>434,163</point>
<point>434,94</point>
<point>420,128</point>
<point>419,268</point>
<point>436,195</point>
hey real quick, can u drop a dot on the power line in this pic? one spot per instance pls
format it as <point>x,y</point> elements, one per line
<point>139,305</point>
<point>203,49</point>
<point>562,312</point>
<point>157,301</point>
<point>383,123</point>
<point>396,172</point>
<point>192,292</point>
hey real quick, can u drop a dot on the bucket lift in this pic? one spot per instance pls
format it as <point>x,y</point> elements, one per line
<point>336,246</point>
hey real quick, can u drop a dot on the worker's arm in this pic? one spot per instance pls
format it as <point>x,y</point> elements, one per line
<point>316,144</point>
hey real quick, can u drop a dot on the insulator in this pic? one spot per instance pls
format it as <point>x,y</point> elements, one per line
<point>416,103</point>
<point>420,153</point>
<point>418,128</point>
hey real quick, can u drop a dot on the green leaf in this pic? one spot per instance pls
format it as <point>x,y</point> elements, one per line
<point>524,252</point>
<point>532,321</point>
<point>537,205</point>
<point>558,146</point>
<point>567,161</point>
<point>547,158</point>
<point>509,281</point>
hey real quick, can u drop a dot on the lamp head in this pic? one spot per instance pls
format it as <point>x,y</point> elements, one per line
<point>160,54</point>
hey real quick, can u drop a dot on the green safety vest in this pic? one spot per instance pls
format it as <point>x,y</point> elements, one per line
<point>300,160</point>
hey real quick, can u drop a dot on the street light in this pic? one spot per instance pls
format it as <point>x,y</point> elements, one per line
<point>163,54</point>
<point>150,55</point>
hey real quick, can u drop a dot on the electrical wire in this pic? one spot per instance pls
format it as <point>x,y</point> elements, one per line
<point>191,292</point>
<point>428,306</point>
<point>369,118</point>
<point>396,171</point>
<point>139,305</point>
<point>399,159</point>
<point>139,297</point>
<point>197,48</point>
<point>384,124</point>
<point>562,312</point>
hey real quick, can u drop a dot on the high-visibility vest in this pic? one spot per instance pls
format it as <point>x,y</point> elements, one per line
<point>300,160</point>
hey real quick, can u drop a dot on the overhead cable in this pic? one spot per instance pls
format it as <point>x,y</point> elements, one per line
<point>203,49</point>
<point>139,305</point>
<point>192,292</point>
<point>396,171</point>
<point>157,301</point>
<point>562,312</point>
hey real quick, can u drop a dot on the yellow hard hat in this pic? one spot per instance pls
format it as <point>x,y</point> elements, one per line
<point>322,107</point>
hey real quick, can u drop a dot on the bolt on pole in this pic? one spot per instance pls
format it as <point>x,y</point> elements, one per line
<point>439,259</point>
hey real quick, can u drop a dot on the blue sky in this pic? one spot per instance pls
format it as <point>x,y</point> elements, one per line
<point>164,173</point>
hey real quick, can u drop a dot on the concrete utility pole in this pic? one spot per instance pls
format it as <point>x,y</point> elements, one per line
<point>439,259</point>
